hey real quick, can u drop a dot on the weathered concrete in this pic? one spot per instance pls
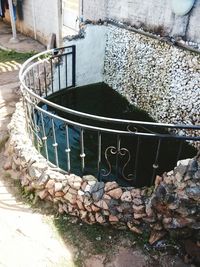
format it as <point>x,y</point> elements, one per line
<point>26,44</point>
<point>152,15</point>
<point>90,56</point>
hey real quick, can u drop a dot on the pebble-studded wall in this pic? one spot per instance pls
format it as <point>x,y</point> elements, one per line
<point>162,79</point>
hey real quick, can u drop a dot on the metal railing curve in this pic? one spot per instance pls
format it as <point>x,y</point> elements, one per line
<point>119,145</point>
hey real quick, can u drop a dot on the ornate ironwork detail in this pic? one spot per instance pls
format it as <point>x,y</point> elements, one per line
<point>122,152</point>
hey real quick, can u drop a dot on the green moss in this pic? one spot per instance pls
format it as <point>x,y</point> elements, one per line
<point>13,55</point>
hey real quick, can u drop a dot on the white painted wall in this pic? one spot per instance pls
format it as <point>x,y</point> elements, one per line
<point>90,52</point>
<point>149,14</point>
<point>40,18</point>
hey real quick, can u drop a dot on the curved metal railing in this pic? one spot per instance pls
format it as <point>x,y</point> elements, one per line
<point>109,148</point>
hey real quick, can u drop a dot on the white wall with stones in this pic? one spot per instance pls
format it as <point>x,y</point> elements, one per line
<point>160,78</point>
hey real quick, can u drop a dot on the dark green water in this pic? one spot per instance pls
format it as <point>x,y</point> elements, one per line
<point>99,99</point>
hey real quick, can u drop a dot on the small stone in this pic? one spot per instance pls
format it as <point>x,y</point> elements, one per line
<point>138,209</point>
<point>7,165</point>
<point>155,236</point>
<point>66,189</point>
<point>113,219</point>
<point>126,196</point>
<point>167,220</point>
<point>134,228</point>
<point>50,184</point>
<point>87,201</point>
<point>137,201</point>
<point>97,191</point>
<point>80,193</point>
<point>91,218</point>
<point>42,194</point>
<point>110,186</point>
<point>99,218</point>
<point>95,208</point>
<point>80,205</point>
<point>83,214</point>
<point>91,183</point>
<point>51,191</point>
<point>158,180</point>
<point>59,194</point>
<point>44,177</point>
<point>158,227</point>
<point>73,191</point>
<point>115,193</point>
<point>139,216</point>
<point>89,178</point>
<point>58,186</point>
<point>136,193</point>
<point>88,208</point>
<point>74,181</point>
<point>71,198</point>
<point>88,188</point>
<point>106,197</point>
<point>83,186</point>
<point>193,192</point>
<point>102,204</point>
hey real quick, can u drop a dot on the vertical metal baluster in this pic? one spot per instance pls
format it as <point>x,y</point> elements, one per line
<point>137,157</point>
<point>66,69</point>
<point>39,82</point>
<point>45,78</point>
<point>33,75</point>
<point>44,138</point>
<point>59,81</point>
<point>117,156</point>
<point>179,150</point>
<point>36,128</point>
<point>99,156</point>
<point>82,155</point>
<point>55,144</point>
<point>26,81</point>
<point>29,80</point>
<point>68,150</point>
<point>52,78</point>
<point>155,165</point>
<point>73,65</point>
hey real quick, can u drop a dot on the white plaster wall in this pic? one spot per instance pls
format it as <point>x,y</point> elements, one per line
<point>94,9</point>
<point>45,13</point>
<point>90,53</point>
<point>149,14</point>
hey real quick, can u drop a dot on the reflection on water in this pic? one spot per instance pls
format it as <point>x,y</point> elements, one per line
<point>133,164</point>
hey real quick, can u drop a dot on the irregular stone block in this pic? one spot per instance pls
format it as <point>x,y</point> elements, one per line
<point>115,193</point>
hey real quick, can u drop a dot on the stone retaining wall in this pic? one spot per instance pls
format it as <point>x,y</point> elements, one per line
<point>173,204</point>
<point>162,79</point>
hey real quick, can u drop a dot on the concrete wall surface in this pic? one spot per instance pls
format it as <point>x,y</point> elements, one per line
<point>152,15</point>
<point>90,53</point>
<point>40,19</point>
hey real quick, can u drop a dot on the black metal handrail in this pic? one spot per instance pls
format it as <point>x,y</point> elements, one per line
<point>54,70</point>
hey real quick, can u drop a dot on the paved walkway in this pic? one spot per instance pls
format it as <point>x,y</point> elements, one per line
<point>25,43</point>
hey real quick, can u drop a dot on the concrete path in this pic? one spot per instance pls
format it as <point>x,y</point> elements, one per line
<point>25,44</point>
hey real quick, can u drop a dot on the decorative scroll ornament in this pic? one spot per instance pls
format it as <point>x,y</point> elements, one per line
<point>122,152</point>
<point>182,7</point>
